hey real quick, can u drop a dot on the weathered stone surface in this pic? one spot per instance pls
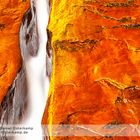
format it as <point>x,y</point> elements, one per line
<point>11,13</point>
<point>96,51</point>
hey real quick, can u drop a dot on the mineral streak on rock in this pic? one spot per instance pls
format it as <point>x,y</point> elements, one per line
<point>13,106</point>
<point>11,13</point>
<point>96,76</point>
<point>29,32</point>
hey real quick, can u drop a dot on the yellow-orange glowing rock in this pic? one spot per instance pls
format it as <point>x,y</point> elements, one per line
<point>96,63</point>
<point>11,13</point>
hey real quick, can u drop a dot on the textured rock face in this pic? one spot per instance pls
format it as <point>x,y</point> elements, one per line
<point>11,13</point>
<point>96,51</point>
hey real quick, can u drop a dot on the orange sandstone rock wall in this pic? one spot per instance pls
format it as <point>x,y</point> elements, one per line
<point>96,63</point>
<point>11,13</point>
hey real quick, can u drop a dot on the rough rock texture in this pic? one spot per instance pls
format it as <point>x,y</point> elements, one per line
<point>96,76</point>
<point>11,13</point>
